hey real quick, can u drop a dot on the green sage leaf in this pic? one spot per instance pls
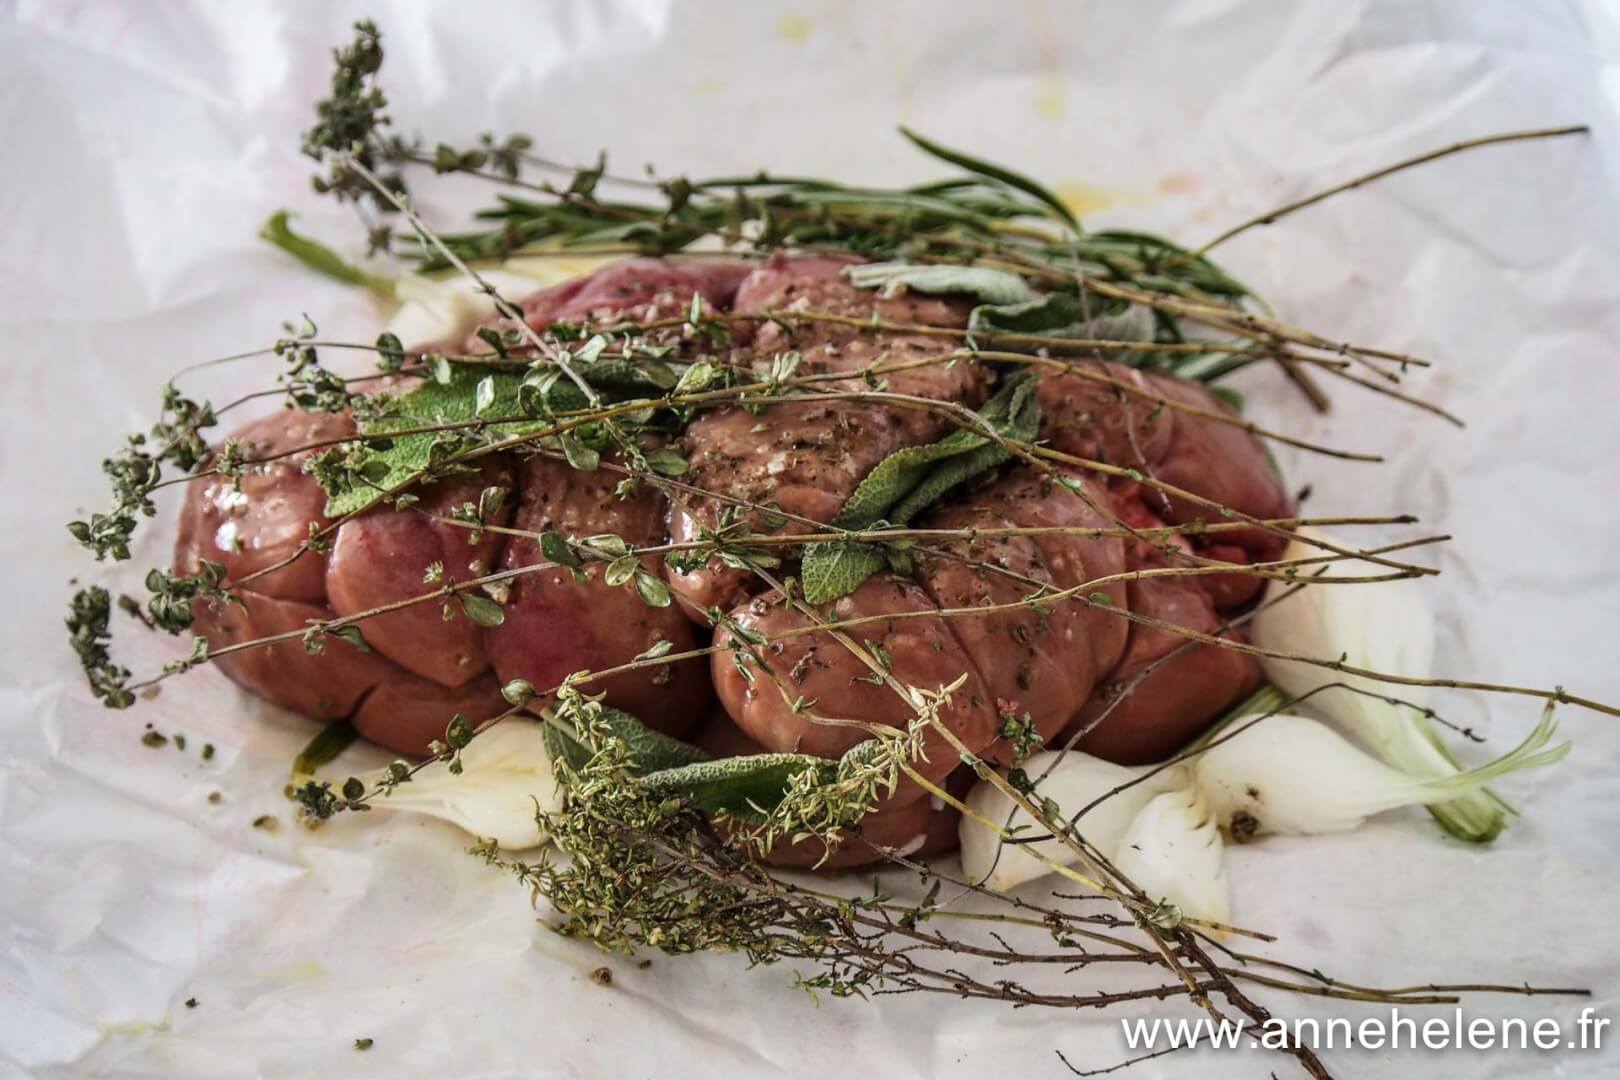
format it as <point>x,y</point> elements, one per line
<point>988,285</point>
<point>649,750</point>
<point>1062,314</point>
<point>908,481</point>
<point>831,570</point>
<point>740,786</point>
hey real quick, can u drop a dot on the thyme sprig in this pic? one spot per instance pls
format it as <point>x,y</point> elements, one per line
<point>138,470</point>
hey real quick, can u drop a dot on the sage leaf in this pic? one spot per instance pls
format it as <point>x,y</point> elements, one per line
<point>432,402</point>
<point>649,750</point>
<point>989,286</point>
<point>740,786</point>
<point>1014,413</point>
<point>1062,314</point>
<point>908,481</point>
<point>831,570</point>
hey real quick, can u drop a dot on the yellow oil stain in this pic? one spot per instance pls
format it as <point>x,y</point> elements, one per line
<point>1049,98</point>
<point>307,969</point>
<point>794,28</point>
<point>1083,199</point>
<point>710,87</point>
<point>132,1027</point>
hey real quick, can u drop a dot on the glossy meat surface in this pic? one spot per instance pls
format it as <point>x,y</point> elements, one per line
<point>383,557</point>
<point>783,468</point>
<point>264,520</point>
<point>1039,660</point>
<point>806,458</point>
<point>556,625</point>
<point>813,666</point>
<point>1219,461</point>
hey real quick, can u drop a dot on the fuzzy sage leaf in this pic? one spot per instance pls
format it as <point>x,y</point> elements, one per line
<point>742,787</point>
<point>906,482</point>
<point>648,750</point>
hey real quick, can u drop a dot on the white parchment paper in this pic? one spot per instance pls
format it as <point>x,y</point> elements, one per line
<point>141,145</point>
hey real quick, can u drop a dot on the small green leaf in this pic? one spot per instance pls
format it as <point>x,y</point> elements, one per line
<point>1230,397</point>
<point>621,570</point>
<point>459,732</point>
<point>652,590</point>
<point>518,692</point>
<point>556,550</point>
<point>607,544</point>
<point>667,462</point>
<point>697,377</point>
<point>351,634</point>
<point>390,353</point>
<point>492,337</point>
<point>482,610</point>
<point>737,785</point>
<point>661,647</point>
<point>579,455</point>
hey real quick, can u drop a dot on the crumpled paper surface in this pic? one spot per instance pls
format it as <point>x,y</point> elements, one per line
<point>143,146</point>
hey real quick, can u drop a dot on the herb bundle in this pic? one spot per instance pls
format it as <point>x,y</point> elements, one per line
<point>661,847</point>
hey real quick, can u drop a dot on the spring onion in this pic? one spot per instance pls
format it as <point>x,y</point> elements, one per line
<point>1386,627</point>
<point>505,782</point>
<point>1172,851</point>
<point>1291,774</point>
<point>1074,782</point>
